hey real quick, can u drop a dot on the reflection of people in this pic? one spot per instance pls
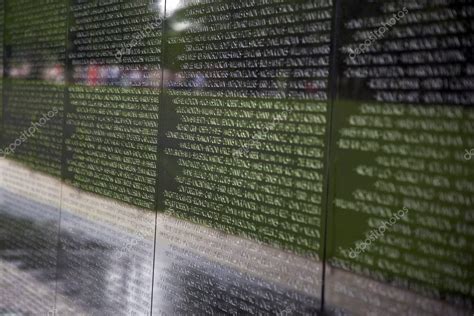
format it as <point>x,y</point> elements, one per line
<point>469,153</point>
<point>114,75</point>
<point>58,73</point>
<point>154,78</point>
<point>310,87</point>
<point>172,80</point>
<point>92,75</point>
<point>103,74</point>
<point>136,77</point>
<point>20,71</point>
<point>199,81</point>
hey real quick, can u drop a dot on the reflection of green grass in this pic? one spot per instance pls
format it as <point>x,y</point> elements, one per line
<point>399,177</point>
<point>348,221</point>
<point>288,240</point>
<point>47,135</point>
<point>269,205</point>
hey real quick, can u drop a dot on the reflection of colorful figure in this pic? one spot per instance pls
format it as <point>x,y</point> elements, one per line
<point>58,73</point>
<point>114,75</point>
<point>199,81</point>
<point>20,71</point>
<point>469,153</point>
<point>103,74</point>
<point>136,77</point>
<point>92,75</point>
<point>154,78</point>
<point>311,87</point>
<point>54,73</point>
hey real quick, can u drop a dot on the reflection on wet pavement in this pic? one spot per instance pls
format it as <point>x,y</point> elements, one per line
<point>102,263</point>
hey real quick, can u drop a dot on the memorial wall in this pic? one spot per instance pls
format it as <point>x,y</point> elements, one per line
<point>214,157</point>
<point>111,121</point>
<point>402,123</point>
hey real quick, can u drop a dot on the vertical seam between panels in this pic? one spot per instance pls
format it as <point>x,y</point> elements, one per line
<point>333,84</point>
